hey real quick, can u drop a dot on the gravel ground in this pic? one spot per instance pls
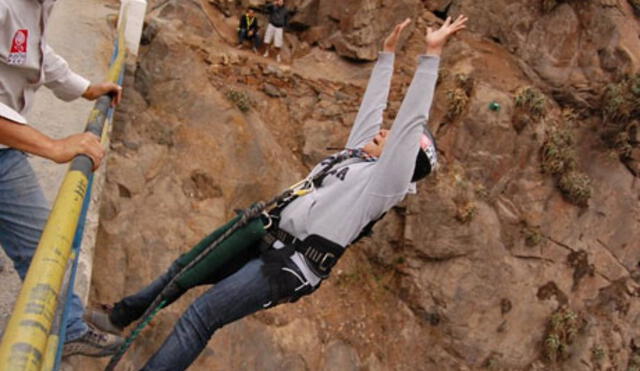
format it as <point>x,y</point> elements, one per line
<point>81,33</point>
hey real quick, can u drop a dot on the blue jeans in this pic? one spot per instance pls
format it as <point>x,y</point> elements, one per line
<point>240,294</point>
<point>23,214</point>
<point>243,34</point>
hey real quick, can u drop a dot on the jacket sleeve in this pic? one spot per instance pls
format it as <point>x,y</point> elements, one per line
<point>393,171</point>
<point>289,15</point>
<point>374,102</point>
<point>65,84</point>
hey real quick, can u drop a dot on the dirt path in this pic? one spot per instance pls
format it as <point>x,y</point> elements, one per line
<point>80,32</point>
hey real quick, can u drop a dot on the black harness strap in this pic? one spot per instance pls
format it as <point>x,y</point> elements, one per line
<point>321,253</point>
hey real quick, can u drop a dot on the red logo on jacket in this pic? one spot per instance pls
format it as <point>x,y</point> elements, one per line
<point>18,53</point>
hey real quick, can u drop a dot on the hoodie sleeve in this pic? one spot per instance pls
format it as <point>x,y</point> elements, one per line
<point>374,102</point>
<point>393,171</point>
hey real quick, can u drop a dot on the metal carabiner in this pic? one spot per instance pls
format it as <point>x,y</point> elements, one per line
<point>270,223</point>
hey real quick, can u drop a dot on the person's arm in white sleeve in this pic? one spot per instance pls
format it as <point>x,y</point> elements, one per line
<point>28,139</point>
<point>68,85</point>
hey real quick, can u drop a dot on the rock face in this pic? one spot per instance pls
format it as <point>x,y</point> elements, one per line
<point>491,265</point>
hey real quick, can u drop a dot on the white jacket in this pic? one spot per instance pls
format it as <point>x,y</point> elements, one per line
<point>27,62</point>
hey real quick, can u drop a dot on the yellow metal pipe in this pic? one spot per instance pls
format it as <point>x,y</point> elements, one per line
<point>26,334</point>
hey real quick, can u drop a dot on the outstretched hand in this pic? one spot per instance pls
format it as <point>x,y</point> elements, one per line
<point>391,41</point>
<point>437,39</point>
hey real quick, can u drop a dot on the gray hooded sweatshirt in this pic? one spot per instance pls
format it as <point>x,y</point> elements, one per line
<point>360,191</point>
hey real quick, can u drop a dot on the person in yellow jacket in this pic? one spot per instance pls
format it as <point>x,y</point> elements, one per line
<point>26,64</point>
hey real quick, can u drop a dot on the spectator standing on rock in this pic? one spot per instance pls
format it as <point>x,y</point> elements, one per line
<point>27,63</point>
<point>278,19</point>
<point>347,193</point>
<point>248,30</point>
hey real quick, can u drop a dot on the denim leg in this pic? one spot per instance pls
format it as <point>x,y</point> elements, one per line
<point>235,297</point>
<point>23,214</point>
<point>76,326</point>
<point>242,35</point>
<point>133,306</point>
<point>256,40</point>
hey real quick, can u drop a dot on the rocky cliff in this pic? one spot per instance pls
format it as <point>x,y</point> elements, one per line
<point>522,253</point>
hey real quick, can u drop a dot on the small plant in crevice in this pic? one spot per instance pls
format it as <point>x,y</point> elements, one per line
<point>576,187</point>
<point>240,99</point>
<point>532,236</point>
<point>558,158</point>
<point>530,107</point>
<point>531,100</point>
<point>458,97</point>
<point>562,330</point>
<point>458,102</point>
<point>620,100</point>
<point>464,82</point>
<point>570,115</point>
<point>466,211</point>
<point>558,155</point>
<point>598,353</point>
<point>621,115</point>
<point>491,363</point>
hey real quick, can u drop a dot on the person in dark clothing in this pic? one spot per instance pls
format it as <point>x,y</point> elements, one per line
<point>279,17</point>
<point>248,29</point>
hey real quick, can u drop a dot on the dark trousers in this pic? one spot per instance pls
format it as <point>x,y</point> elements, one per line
<point>243,34</point>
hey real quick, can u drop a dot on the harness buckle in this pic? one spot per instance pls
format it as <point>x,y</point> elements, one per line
<point>322,265</point>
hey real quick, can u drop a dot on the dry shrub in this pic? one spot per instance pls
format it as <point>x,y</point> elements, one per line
<point>240,99</point>
<point>532,236</point>
<point>562,329</point>
<point>459,96</point>
<point>458,101</point>
<point>532,101</point>
<point>559,159</point>
<point>621,112</point>
<point>576,187</point>
<point>466,211</point>
<point>558,155</point>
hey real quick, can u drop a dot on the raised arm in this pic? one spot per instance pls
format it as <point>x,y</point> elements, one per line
<point>369,118</point>
<point>395,167</point>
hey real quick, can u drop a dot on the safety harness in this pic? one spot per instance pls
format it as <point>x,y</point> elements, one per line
<point>320,253</point>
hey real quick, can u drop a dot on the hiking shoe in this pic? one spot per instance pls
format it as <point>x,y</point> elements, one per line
<point>266,54</point>
<point>101,318</point>
<point>278,58</point>
<point>94,343</point>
